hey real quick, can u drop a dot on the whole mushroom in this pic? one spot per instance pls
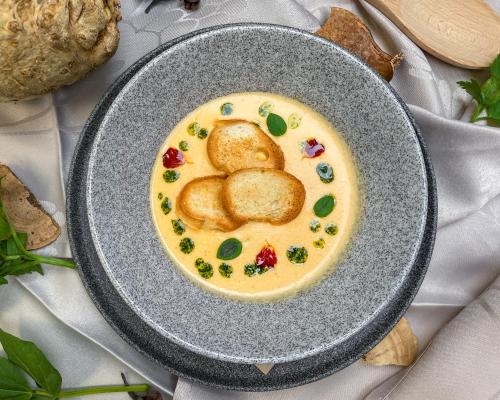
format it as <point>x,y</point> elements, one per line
<point>46,44</point>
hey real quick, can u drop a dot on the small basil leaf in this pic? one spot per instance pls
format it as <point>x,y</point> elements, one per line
<point>491,90</point>
<point>324,206</point>
<point>276,125</point>
<point>229,249</point>
<point>27,356</point>
<point>13,386</point>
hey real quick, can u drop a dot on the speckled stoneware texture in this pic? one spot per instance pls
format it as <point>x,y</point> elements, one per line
<point>195,333</point>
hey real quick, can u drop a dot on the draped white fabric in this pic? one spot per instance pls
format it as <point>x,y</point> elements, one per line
<point>37,139</point>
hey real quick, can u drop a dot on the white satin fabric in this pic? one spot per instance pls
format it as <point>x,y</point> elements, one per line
<point>37,139</point>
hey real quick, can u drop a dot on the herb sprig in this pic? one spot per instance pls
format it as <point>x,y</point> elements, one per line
<point>487,95</point>
<point>14,258</point>
<point>26,356</point>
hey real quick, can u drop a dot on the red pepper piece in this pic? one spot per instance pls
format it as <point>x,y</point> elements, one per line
<point>313,149</point>
<point>266,257</point>
<point>173,158</point>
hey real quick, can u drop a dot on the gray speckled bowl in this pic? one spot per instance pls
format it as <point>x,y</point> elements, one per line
<point>193,332</point>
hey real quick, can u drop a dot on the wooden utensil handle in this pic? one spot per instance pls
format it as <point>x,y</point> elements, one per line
<point>462,33</point>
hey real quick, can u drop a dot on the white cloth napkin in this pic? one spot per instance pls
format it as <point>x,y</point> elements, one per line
<point>461,363</point>
<point>37,140</point>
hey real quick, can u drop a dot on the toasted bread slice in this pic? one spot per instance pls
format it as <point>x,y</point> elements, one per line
<point>263,194</point>
<point>200,203</point>
<point>237,144</point>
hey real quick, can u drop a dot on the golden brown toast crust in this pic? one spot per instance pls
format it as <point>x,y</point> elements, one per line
<point>231,158</point>
<point>296,196</point>
<point>198,218</point>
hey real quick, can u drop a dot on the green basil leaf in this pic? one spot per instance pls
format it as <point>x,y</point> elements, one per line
<point>494,111</point>
<point>27,356</point>
<point>491,90</point>
<point>473,88</point>
<point>495,67</point>
<point>276,125</point>
<point>229,249</point>
<point>324,206</point>
<point>13,386</point>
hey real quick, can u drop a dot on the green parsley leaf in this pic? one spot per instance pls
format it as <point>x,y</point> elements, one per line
<point>473,88</point>
<point>494,111</point>
<point>27,356</point>
<point>487,95</point>
<point>491,90</point>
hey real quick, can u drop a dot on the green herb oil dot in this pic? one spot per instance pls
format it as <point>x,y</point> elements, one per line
<point>178,226</point>
<point>204,268</point>
<point>186,245</point>
<point>160,196</point>
<point>171,175</point>
<point>202,134</point>
<point>294,120</point>
<point>166,205</point>
<point>320,243</point>
<point>315,226</point>
<point>207,271</point>
<point>225,270</point>
<point>297,254</point>
<point>183,145</point>
<point>250,269</point>
<point>325,172</point>
<point>265,108</point>
<point>193,128</point>
<point>331,229</point>
<point>226,109</point>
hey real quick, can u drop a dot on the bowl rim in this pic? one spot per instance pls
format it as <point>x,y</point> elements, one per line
<point>77,178</point>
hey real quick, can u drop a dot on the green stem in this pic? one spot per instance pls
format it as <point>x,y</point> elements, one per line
<point>93,390</point>
<point>479,109</point>
<point>61,262</point>
<point>9,258</point>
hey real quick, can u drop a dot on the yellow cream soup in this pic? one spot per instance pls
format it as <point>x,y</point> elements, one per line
<point>286,277</point>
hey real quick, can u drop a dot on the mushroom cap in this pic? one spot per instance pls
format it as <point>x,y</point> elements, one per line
<point>25,212</point>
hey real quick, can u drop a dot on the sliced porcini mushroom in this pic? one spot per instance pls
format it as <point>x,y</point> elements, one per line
<point>347,30</point>
<point>399,347</point>
<point>25,212</point>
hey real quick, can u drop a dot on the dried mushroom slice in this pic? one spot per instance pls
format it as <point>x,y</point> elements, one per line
<point>347,30</point>
<point>25,211</point>
<point>399,347</point>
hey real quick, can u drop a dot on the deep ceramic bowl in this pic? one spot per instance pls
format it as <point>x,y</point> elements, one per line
<point>196,333</point>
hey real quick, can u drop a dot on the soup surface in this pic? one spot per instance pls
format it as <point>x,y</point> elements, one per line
<point>302,250</point>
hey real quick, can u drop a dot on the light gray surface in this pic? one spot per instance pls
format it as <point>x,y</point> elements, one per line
<point>326,78</point>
